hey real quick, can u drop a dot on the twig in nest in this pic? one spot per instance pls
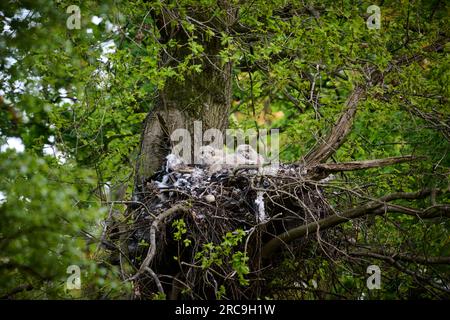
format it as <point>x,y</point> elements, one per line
<point>155,277</point>
<point>151,252</point>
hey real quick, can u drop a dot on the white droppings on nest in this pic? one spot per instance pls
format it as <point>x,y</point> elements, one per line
<point>177,175</point>
<point>165,179</point>
<point>161,185</point>
<point>195,180</point>
<point>197,175</point>
<point>303,170</point>
<point>181,182</point>
<point>271,170</point>
<point>331,177</point>
<point>261,214</point>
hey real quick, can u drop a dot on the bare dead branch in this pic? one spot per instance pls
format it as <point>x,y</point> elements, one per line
<point>339,132</point>
<point>323,169</point>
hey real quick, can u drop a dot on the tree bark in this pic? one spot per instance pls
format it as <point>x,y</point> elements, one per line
<point>203,96</point>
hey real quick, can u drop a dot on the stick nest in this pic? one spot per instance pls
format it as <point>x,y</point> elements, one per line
<point>199,236</point>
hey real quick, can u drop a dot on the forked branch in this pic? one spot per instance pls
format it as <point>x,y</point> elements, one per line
<point>339,132</point>
<point>378,206</point>
<point>336,137</point>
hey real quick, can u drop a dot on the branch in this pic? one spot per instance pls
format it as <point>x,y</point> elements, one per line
<point>323,169</point>
<point>394,262</point>
<point>337,219</point>
<point>154,227</point>
<point>19,289</point>
<point>437,46</point>
<point>342,128</point>
<point>374,253</point>
<point>428,213</point>
<point>436,119</point>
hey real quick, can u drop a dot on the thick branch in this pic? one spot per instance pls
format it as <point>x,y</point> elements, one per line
<point>374,253</point>
<point>342,128</point>
<point>337,219</point>
<point>339,132</point>
<point>154,227</point>
<point>323,169</point>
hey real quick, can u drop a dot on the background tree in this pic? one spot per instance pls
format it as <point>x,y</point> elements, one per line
<point>346,98</point>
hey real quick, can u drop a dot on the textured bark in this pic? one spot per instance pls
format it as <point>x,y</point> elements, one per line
<point>322,170</point>
<point>339,132</point>
<point>204,96</point>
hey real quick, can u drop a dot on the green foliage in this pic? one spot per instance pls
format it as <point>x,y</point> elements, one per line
<point>212,254</point>
<point>45,222</point>
<point>294,65</point>
<point>180,230</point>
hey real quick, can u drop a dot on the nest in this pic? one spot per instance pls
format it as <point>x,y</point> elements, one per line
<point>199,236</point>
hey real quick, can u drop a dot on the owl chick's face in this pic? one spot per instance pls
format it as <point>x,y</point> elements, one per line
<point>246,151</point>
<point>248,155</point>
<point>207,154</point>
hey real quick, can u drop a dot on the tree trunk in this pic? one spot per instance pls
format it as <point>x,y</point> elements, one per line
<point>203,96</point>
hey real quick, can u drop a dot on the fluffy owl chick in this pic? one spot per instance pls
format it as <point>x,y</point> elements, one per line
<point>174,162</point>
<point>209,155</point>
<point>247,155</point>
<point>225,161</point>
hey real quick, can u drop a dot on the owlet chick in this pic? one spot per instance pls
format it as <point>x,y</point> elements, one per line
<point>247,155</point>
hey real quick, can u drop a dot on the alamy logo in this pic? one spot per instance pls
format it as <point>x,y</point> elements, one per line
<point>256,147</point>
<point>374,281</point>
<point>374,21</point>
<point>74,280</point>
<point>74,20</point>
